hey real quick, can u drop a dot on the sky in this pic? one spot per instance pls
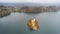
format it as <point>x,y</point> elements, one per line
<point>34,1</point>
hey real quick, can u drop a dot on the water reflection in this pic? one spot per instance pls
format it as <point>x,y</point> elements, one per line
<point>16,23</point>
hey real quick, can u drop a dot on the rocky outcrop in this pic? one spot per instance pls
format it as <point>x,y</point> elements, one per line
<point>4,13</point>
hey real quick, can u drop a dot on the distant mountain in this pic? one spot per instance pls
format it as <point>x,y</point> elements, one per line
<point>28,4</point>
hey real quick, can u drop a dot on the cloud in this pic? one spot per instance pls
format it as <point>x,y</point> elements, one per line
<point>35,1</point>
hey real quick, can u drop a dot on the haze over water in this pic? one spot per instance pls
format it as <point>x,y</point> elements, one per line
<point>16,23</point>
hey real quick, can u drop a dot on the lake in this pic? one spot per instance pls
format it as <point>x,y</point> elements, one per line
<point>16,23</point>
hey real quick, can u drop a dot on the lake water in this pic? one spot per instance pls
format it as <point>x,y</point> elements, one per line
<point>16,23</point>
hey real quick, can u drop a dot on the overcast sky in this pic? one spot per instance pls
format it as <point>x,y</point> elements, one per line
<point>35,1</point>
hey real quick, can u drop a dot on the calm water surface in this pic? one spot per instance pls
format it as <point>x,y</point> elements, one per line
<point>16,23</point>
